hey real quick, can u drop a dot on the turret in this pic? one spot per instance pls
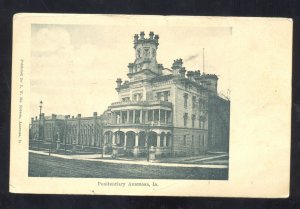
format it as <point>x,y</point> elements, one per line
<point>178,69</point>
<point>145,54</point>
<point>193,75</point>
<point>210,81</point>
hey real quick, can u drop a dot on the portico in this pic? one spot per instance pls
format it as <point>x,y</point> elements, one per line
<point>137,141</point>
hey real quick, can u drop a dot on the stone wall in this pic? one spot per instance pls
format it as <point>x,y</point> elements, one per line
<point>188,142</point>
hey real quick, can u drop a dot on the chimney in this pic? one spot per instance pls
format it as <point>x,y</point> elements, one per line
<point>177,66</point>
<point>189,75</point>
<point>130,67</point>
<point>182,72</point>
<point>119,81</point>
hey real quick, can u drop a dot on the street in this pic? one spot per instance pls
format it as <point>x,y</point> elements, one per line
<point>49,166</point>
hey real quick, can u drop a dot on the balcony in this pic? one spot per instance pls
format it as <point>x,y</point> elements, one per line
<point>137,124</point>
<point>141,103</point>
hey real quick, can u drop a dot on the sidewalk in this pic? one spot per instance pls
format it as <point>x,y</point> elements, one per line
<point>108,159</point>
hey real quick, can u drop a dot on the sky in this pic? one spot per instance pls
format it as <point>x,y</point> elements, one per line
<point>74,67</point>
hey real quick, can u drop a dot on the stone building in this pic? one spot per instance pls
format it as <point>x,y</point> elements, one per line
<point>173,112</point>
<point>75,133</point>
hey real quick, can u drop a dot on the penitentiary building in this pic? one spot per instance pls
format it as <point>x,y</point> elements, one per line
<point>67,132</point>
<point>173,112</point>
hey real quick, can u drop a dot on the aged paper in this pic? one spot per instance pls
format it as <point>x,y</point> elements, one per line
<point>151,105</point>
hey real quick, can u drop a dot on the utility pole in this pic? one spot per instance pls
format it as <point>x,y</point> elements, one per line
<point>203,67</point>
<point>66,133</point>
<point>40,134</point>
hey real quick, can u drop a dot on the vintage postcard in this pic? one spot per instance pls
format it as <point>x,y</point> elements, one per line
<point>151,105</point>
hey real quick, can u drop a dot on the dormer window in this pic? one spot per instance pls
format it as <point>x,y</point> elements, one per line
<point>163,95</point>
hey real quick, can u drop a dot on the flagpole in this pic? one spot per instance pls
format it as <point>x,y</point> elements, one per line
<point>203,62</point>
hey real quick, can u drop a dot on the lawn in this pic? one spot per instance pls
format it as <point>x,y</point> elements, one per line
<point>49,166</point>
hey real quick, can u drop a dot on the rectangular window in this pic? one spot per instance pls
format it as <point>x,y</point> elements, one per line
<point>192,141</point>
<point>202,122</point>
<point>163,96</point>
<point>162,116</point>
<point>143,116</point>
<point>169,119</point>
<point>150,115</point>
<point>134,97</point>
<point>185,100</point>
<point>199,121</point>
<point>202,105</point>
<point>166,95</point>
<point>124,116</point>
<point>156,115</point>
<point>130,116</point>
<point>185,117</point>
<point>158,96</point>
<point>118,119</point>
<point>200,140</point>
<point>194,101</point>
<point>193,121</point>
<point>137,97</point>
<point>137,116</point>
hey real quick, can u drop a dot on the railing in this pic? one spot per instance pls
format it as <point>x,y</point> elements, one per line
<point>152,123</point>
<point>142,103</point>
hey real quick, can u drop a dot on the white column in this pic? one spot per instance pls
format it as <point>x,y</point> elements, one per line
<point>153,114</point>
<point>133,117</point>
<point>159,115</point>
<point>125,140</point>
<point>141,116</point>
<point>114,139</point>
<point>146,116</point>
<point>136,140</point>
<point>165,141</point>
<point>158,140</point>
